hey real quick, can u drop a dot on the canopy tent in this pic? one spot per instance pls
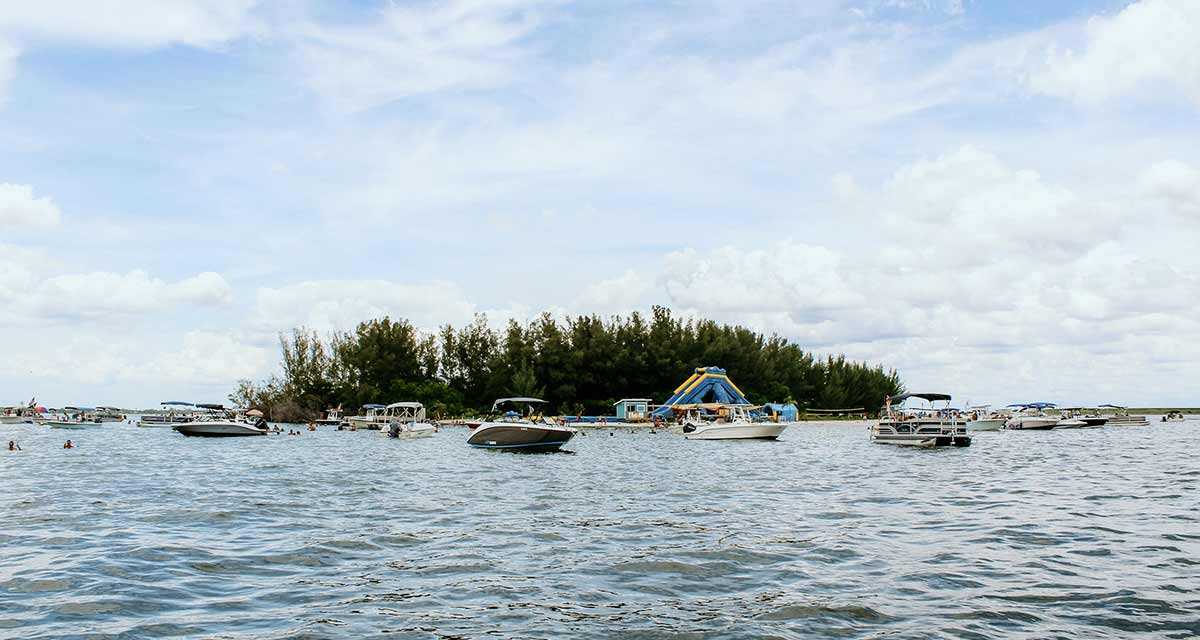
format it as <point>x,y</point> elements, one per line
<point>706,385</point>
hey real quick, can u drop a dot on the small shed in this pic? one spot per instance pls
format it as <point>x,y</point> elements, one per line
<point>633,409</point>
<point>781,412</point>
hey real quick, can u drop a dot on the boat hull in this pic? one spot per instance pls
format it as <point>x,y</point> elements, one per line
<point>15,420</point>
<point>63,424</point>
<point>751,431</point>
<point>409,431</point>
<point>1032,424</point>
<point>519,437</point>
<point>924,441</point>
<point>987,424</point>
<point>218,430</point>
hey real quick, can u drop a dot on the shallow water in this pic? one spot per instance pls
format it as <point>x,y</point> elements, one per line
<point>141,533</point>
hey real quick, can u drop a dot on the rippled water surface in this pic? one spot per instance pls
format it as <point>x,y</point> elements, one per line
<point>142,533</point>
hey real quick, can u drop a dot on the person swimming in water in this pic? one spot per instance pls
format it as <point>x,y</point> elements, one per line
<point>68,445</point>
<point>13,446</point>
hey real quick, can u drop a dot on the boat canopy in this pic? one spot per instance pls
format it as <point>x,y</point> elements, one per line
<point>176,403</point>
<point>374,406</point>
<point>85,409</point>
<point>214,407</point>
<point>517,401</point>
<point>924,396</point>
<point>405,405</point>
<point>1112,406</point>
<point>1041,405</point>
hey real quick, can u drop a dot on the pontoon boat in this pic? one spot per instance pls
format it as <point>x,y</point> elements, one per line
<point>929,426</point>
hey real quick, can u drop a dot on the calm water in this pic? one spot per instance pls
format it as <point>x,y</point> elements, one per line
<point>141,533</point>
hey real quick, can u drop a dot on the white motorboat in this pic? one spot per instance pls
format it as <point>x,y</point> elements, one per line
<point>1173,416</point>
<point>724,422</point>
<point>408,421</point>
<point>928,426</point>
<point>221,423</point>
<point>374,417</point>
<point>19,415</point>
<point>109,414</point>
<point>981,418</point>
<point>1032,417</point>
<point>73,418</point>
<point>512,431</point>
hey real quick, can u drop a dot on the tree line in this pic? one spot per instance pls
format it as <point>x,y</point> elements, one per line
<point>581,365</point>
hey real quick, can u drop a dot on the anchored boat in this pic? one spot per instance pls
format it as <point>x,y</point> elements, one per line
<point>724,422</point>
<point>982,418</point>
<point>1032,417</point>
<point>531,432</point>
<point>1121,417</point>
<point>218,422</point>
<point>928,426</point>
<point>408,421</point>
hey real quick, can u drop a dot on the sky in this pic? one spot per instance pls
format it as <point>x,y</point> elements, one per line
<point>1001,200</point>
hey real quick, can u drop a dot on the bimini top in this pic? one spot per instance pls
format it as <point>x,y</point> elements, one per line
<point>176,403</point>
<point>214,407</point>
<point>924,396</point>
<point>373,406</point>
<point>405,405</point>
<point>517,401</point>
<point>83,409</point>
<point>1112,406</point>
<point>1033,405</point>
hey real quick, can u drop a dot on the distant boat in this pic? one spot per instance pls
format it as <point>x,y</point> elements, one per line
<point>333,417</point>
<point>407,420</point>
<point>1032,417</point>
<point>219,422</point>
<point>729,422</point>
<point>373,417</point>
<point>73,418</point>
<point>513,431</point>
<point>173,412</point>
<point>1121,417</point>
<point>929,426</point>
<point>982,418</point>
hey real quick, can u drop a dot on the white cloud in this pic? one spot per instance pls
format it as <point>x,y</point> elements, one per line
<point>115,355</point>
<point>27,294</point>
<point>342,304</point>
<point>419,48</point>
<point>615,295</point>
<point>1177,183</point>
<point>20,209</point>
<point>129,23</point>
<point>1148,45</point>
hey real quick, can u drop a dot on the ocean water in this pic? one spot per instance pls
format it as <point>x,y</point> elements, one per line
<point>142,533</point>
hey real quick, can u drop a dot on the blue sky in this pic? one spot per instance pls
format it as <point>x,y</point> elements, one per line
<point>999,199</point>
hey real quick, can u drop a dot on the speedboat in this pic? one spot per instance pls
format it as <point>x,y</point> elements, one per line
<point>520,433</point>
<point>1032,417</point>
<point>408,421</point>
<point>728,422</point>
<point>981,418</point>
<point>928,426</point>
<point>1090,418</point>
<point>218,422</point>
<point>1174,416</point>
